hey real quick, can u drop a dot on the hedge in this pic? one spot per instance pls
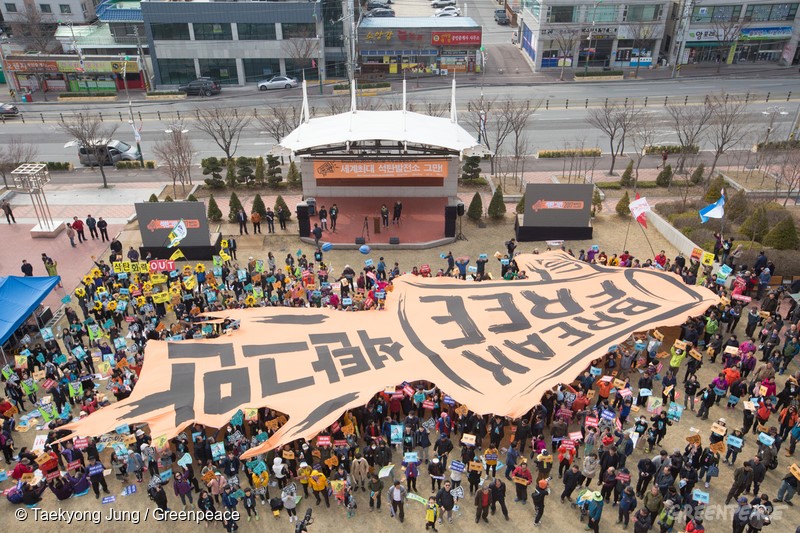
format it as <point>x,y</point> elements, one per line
<point>377,85</point>
<point>554,154</point>
<point>603,73</point>
<point>475,182</point>
<point>780,145</point>
<point>656,149</point>
<point>86,95</point>
<point>134,164</point>
<point>58,165</point>
<point>616,185</point>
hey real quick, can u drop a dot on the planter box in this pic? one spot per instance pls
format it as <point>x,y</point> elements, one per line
<point>87,99</point>
<point>181,96</point>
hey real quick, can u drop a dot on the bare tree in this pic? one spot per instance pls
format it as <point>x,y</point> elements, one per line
<point>488,119</point>
<point>727,33</point>
<point>787,173</point>
<point>689,124</point>
<point>438,109</point>
<point>565,40</point>
<point>338,105</point>
<point>301,46</point>
<point>279,121</point>
<point>615,121</point>
<point>223,126</point>
<point>13,155</point>
<point>519,116</point>
<point>175,152</point>
<point>91,134</point>
<point>726,127</point>
<point>641,33</point>
<point>33,29</point>
<point>643,134</point>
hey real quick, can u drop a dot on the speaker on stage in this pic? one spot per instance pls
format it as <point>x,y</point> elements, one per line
<point>303,220</point>
<point>360,240</point>
<point>460,206</point>
<point>450,214</point>
<point>394,240</point>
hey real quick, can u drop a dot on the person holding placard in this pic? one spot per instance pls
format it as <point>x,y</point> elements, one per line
<point>522,478</point>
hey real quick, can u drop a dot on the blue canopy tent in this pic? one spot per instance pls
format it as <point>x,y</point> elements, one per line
<point>19,297</point>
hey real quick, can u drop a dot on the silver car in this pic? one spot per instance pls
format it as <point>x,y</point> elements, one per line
<point>277,82</point>
<point>115,151</point>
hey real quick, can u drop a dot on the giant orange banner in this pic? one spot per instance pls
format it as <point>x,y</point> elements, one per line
<point>347,169</point>
<point>495,346</point>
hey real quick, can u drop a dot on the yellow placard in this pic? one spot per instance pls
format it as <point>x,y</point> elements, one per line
<point>717,447</point>
<point>223,243</point>
<point>475,466</point>
<point>795,470</point>
<point>224,256</point>
<point>708,259</point>
<point>695,354</point>
<point>719,429</point>
<point>658,335</point>
<point>288,455</point>
<point>161,297</point>
<point>158,278</point>
<point>694,439</point>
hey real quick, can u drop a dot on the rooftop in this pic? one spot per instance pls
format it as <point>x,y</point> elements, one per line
<point>97,35</point>
<point>119,11</point>
<point>419,22</point>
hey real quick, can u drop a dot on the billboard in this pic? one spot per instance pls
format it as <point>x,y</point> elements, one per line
<point>360,172</point>
<point>558,205</point>
<point>173,224</point>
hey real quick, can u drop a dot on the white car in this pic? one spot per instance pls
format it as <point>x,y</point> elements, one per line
<point>449,9</point>
<point>277,82</point>
<point>442,3</point>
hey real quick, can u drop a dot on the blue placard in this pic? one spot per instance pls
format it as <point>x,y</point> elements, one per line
<point>79,353</point>
<point>645,392</point>
<point>736,442</point>
<point>173,274</point>
<point>442,255</point>
<point>483,256</point>
<point>368,262</point>
<point>124,292</point>
<point>130,489</point>
<point>242,274</point>
<point>109,499</point>
<point>472,268</point>
<point>316,294</point>
<point>122,275</point>
<point>165,475</point>
<point>608,415</point>
<point>396,433</point>
<point>66,299</point>
<point>380,295</point>
<point>504,262</point>
<point>456,466</point>
<point>347,301</point>
<point>699,496</point>
<point>594,371</point>
<point>211,296</point>
<point>765,439</point>
<point>95,469</point>
<point>238,418</point>
<point>733,400</point>
<point>639,346</point>
<point>410,457</point>
<point>449,401</point>
<point>124,429</point>
<point>490,457</point>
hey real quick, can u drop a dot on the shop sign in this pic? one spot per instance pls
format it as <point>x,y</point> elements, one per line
<point>30,65</point>
<point>458,38</point>
<point>599,30</point>
<point>762,34</point>
<point>332,169</point>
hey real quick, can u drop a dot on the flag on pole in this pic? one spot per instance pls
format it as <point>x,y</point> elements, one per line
<point>177,234</point>
<point>639,209</point>
<point>715,210</point>
<point>177,254</point>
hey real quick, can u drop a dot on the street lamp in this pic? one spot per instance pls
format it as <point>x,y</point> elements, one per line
<point>591,36</point>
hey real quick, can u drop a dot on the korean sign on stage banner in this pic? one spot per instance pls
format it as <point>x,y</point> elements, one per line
<point>495,346</point>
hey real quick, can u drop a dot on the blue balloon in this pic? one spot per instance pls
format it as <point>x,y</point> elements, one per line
<point>327,247</point>
<point>364,249</point>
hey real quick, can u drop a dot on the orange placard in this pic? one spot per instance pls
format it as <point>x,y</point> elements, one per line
<point>360,169</point>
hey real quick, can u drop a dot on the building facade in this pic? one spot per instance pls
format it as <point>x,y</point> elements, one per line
<point>234,42</point>
<point>712,31</point>
<point>556,33</point>
<point>51,11</point>
<point>57,73</point>
<point>426,44</point>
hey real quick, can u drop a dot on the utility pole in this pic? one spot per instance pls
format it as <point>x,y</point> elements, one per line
<point>683,32</point>
<point>591,36</point>
<point>82,68</point>
<point>136,135</point>
<point>142,61</point>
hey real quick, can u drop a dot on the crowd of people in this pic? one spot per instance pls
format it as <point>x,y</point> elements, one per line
<point>596,442</point>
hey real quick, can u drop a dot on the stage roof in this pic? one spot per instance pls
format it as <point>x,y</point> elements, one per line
<point>19,297</point>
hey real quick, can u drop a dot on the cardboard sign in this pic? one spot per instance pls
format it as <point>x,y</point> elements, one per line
<point>619,383</point>
<point>81,443</point>
<point>575,436</point>
<point>762,390</point>
<point>42,459</point>
<point>764,314</point>
<point>748,405</point>
<point>719,429</point>
<point>475,466</point>
<point>765,439</point>
<point>73,465</point>
<point>468,439</point>
<point>695,354</point>
<point>795,470</point>
<point>462,410</point>
<point>733,350</point>
<point>717,447</point>
<point>679,345</point>
<point>28,478</point>
<point>519,480</point>
<point>694,439</point>
<point>657,335</point>
<point>590,422</point>
<point>288,455</point>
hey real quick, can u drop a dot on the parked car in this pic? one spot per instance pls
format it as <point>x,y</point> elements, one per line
<point>277,82</point>
<point>446,14</point>
<point>380,13</point>
<point>201,86</point>
<point>448,9</point>
<point>377,4</point>
<point>500,17</point>
<point>442,3</point>
<point>8,110</point>
<point>115,151</point>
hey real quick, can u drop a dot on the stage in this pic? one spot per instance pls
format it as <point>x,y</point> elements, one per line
<point>421,223</point>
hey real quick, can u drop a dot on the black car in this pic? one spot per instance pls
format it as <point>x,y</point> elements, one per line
<point>204,86</point>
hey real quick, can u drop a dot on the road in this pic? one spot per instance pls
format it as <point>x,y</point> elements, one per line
<point>553,125</point>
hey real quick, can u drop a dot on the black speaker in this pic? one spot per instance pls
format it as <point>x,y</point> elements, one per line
<point>460,206</point>
<point>361,240</point>
<point>450,213</point>
<point>394,240</point>
<point>303,221</point>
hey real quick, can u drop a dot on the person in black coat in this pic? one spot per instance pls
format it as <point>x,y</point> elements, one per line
<point>573,478</point>
<point>647,470</point>
<point>499,496</point>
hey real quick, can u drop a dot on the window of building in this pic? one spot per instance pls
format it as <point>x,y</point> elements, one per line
<point>646,13</point>
<point>176,71</point>
<point>299,31</point>
<point>562,14</point>
<point>297,68</point>
<point>759,13</point>
<point>716,13</point>
<point>11,8</point>
<point>534,6</point>
<point>45,8</point>
<point>261,68</point>
<point>170,32</point>
<point>223,70</point>
<point>254,32</point>
<point>65,9</point>
<point>212,32</point>
<point>600,13</point>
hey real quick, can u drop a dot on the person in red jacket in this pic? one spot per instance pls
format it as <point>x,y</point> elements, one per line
<point>22,468</point>
<point>78,226</point>
<point>522,478</point>
<point>695,526</point>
